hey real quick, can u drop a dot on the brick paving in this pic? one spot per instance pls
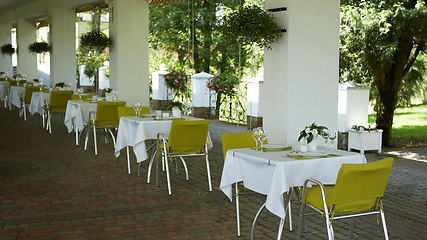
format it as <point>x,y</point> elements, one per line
<point>52,189</point>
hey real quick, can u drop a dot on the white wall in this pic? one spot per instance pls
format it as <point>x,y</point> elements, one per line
<point>301,72</point>
<point>129,52</point>
<point>5,38</point>
<point>26,33</point>
<point>63,42</point>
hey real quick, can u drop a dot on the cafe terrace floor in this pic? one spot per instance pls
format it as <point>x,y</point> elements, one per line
<point>52,189</point>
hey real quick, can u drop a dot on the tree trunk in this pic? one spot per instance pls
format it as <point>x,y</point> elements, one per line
<point>218,104</point>
<point>388,83</point>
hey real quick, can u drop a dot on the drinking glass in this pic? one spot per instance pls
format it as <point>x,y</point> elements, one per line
<point>80,92</point>
<point>115,95</point>
<point>255,135</point>
<point>141,104</point>
<point>262,137</point>
<point>136,107</point>
<point>325,135</point>
<point>332,137</point>
<point>41,85</point>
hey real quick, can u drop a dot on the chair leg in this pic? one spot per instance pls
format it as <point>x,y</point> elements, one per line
<point>255,220</point>
<point>209,173</point>
<point>168,177</point>
<point>112,136</point>
<point>150,164</point>
<point>301,220</point>
<point>86,139</point>
<point>329,227</point>
<point>384,225</point>
<point>94,140</point>
<point>49,123</point>
<point>185,168</point>
<point>24,111</point>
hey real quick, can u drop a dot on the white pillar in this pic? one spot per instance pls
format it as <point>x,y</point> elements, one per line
<point>26,33</point>
<point>301,72</point>
<point>63,42</point>
<point>129,52</point>
<point>5,38</point>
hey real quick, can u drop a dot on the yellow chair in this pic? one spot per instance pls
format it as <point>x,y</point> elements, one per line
<point>129,111</point>
<point>26,98</point>
<point>357,192</point>
<point>57,104</point>
<point>105,117</point>
<point>186,139</point>
<point>235,141</point>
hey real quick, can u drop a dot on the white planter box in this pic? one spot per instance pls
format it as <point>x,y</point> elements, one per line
<point>365,141</point>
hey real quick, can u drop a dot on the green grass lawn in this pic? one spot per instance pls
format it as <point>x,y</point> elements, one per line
<point>409,126</point>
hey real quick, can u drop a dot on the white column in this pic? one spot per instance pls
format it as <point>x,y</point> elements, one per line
<point>5,38</point>
<point>301,72</point>
<point>129,51</point>
<point>26,33</point>
<point>63,42</point>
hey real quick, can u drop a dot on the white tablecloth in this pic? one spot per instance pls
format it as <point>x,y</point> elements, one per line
<point>38,100</point>
<point>4,89</point>
<point>77,114</point>
<point>15,95</point>
<point>275,179</point>
<point>133,131</point>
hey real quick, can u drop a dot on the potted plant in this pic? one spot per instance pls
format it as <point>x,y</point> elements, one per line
<point>365,137</point>
<point>95,40</point>
<point>224,85</point>
<point>62,85</point>
<point>108,93</point>
<point>7,49</point>
<point>310,133</point>
<point>39,47</point>
<point>251,25</point>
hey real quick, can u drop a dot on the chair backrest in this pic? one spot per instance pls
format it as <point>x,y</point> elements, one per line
<point>359,186</point>
<point>129,111</point>
<point>237,140</point>
<point>107,113</point>
<point>188,136</point>
<point>21,82</point>
<point>59,99</point>
<point>29,92</point>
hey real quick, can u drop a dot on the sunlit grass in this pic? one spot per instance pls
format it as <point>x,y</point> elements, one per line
<point>409,125</point>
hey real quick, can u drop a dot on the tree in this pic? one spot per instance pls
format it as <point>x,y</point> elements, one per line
<point>172,32</point>
<point>380,42</point>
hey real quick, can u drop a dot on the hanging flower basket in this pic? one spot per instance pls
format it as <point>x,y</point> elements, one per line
<point>95,40</point>
<point>39,47</point>
<point>7,49</point>
<point>251,24</point>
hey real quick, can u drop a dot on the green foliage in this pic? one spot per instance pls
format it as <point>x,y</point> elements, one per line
<point>95,40</point>
<point>39,47</point>
<point>223,84</point>
<point>7,49</point>
<point>176,80</point>
<point>91,67</point>
<point>251,24</point>
<point>310,132</point>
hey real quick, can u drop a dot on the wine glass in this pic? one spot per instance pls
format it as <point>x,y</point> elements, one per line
<point>325,135</point>
<point>255,135</point>
<point>141,104</point>
<point>332,137</point>
<point>80,92</point>
<point>41,85</point>
<point>186,109</point>
<point>136,107</point>
<point>115,95</point>
<point>262,136</point>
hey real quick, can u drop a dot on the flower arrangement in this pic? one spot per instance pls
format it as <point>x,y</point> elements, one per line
<point>176,80</point>
<point>62,85</point>
<point>108,90</point>
<point>223,84</point>
<point>91,68</point>
<point>310,132</point>
<point>39,47</point>
<point>364,127</point>
<point>7,49</point>
<point>36,80</point>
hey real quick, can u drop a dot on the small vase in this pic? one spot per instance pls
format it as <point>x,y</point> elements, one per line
<point>109,96</point>
<point>312,146</point>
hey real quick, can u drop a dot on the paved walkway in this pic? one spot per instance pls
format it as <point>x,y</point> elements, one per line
<point>52,189</point>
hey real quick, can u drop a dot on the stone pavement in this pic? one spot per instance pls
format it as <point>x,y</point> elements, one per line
<point>52,189</point>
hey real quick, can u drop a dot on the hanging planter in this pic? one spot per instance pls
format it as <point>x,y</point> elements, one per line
<point>39,47</point>
<point>251,24</point>
<point>7,49</point>
<point>95,40</point>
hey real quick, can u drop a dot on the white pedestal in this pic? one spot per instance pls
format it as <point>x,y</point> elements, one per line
<point>365,141</point>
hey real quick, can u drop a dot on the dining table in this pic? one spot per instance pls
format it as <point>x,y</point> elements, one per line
<point>38,101</point>
<point>135,131</point>
<point>77,115</point>
<point>276,173</point>
<point>15,96</point>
